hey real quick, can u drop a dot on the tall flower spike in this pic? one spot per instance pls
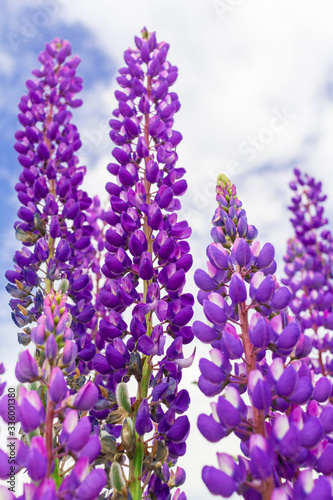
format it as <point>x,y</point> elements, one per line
<point>308,268</point>
<point>255,346</point>
<point>54,225</point>
<point>147,260</point>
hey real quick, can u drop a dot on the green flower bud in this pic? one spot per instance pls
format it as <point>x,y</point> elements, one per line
<point>63,286</point>
<point>128,437</point>
<point>116,476</point>
<point>122,396</point>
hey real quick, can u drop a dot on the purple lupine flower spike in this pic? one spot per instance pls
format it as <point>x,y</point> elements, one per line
<point>54,223</point>
<point>146,264</point>
<point>308,268</point>
<point>283,429</point>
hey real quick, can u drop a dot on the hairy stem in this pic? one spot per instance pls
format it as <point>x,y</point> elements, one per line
<point>258,415</point>
<point>49,434</point>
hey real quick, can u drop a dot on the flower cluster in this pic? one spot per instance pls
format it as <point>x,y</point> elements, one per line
<point>308,269</point>
<point>258,356</point>
<point>53,409</point>
<point>146,263</point>
<point>54,225</point>
<point>100,404</point>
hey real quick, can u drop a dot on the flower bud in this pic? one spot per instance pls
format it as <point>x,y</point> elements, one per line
<point>58,386</point>
<point>122,396</point>
<point>128,438</point>
<point>51,348</point>
<point>117,477</point>
<point>143,422</point>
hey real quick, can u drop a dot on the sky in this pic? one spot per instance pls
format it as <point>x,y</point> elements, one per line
<point>256,88</point>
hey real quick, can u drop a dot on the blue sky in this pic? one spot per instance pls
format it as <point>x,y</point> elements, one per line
<point>255,84</point>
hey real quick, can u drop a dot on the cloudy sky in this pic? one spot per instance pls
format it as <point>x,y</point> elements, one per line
<point>256,88</point>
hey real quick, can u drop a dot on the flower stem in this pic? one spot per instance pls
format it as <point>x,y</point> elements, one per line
<point>135,485</point>
<point>258,415</point>
<point>49,434</point>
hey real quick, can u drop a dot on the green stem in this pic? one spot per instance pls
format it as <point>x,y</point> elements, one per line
<point>146,373</point>
<point>135,485</point>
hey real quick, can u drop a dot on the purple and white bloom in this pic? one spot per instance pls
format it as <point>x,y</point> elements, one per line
<point>263,355</point>
<point>32,411</point>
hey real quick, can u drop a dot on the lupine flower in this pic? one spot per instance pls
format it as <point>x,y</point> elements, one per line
<point>54,224</point>
<point>27,369</point>
<point>247,315</point>
<point>308,267</point>
<point>122,312</point>
<point>147,259</point>
<point>32,411</point>
<point>50,406</point>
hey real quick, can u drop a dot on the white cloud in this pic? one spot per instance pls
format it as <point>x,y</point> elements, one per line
<point>6,64</point>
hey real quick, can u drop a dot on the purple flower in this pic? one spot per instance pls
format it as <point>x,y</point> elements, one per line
<point>32,412</point>
<point>266,256</point>
<point>204,332</point>
<point>326,419</point>
<point>91,449</point>
<point>214,309</point>
<point>231,344</point>
<point>213,431</point>
<point>79,435</point>
<point>58,386</point>
<point>261,462</point>
<point>49,190</point>
<point>179,431</point>
<point>309,261</point>
<point>325,462</point>
<point>83,484</point>
<point>262,287</point>
<point>26,369</point>
<point>92,485</point>
<point>204,281</point>
<point>237,289</point>
<point>260,331</point>
<point>245,331</point>
<point>86,397</point>
<point>143,421</point>
<point>306,487</point>
<point>37,461</point>
<point>218,482</point>
<point>5,469</point>
<point>243,253</point>
<point>147,255</point>
<point>259,390</point>
<point>322,390</point>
